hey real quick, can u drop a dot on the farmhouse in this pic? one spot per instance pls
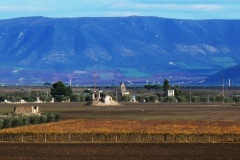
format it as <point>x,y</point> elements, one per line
<point>98,100</point>
<point>26,110</point>
<point>123,89</point>
<point>170,93</point>
<point>133,99</point>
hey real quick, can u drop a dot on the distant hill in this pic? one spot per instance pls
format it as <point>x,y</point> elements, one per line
<point>118,49</point>
<point>231,74</point>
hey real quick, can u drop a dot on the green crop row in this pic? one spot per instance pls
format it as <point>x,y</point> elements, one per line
<point>23,120</point>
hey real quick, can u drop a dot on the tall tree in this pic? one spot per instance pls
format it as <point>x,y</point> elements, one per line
<point>177,90</point>
<point>166,86</point>
<point>59,91</point>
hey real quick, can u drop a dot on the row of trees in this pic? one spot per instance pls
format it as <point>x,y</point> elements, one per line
<point>13,98</point>
<point>204,99</point>
<point>9,121</point>
<point>58,91</point>
<point>165,87</point>
<point>158,93</point>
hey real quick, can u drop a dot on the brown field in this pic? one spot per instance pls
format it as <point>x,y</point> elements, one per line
<point>119,151</point>
<point>138,117</point>
<point>204,118</point>
<point>141,111</point>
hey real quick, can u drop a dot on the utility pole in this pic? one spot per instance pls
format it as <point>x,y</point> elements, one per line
<point>29,92</point>
<point>223,88</point>
<point>190,94</point>
<point>95,80</point>
<point>116,96</point>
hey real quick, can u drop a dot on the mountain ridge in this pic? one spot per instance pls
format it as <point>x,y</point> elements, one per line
<point>38,49</point>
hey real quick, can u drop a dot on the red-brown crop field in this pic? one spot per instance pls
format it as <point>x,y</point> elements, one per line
<point>131,119</point>
<point>129,126</point>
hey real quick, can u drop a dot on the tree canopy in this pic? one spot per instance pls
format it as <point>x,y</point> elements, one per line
<point>59,91</point>
<point>166,86</point>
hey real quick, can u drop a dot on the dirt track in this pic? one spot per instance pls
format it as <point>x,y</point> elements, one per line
<point>140,151</point>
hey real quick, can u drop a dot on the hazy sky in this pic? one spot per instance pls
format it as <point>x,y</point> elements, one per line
<point>187,9</point>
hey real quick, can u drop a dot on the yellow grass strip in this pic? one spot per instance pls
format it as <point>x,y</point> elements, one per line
<point>129,126</point>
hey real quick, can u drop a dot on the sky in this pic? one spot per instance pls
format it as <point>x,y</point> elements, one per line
<point>180,9</point>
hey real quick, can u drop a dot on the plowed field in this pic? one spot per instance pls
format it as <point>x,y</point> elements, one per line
<point>117,151</point>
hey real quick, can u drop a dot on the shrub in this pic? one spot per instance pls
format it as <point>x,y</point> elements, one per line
<point>219,98</point>
<point>1,123</point>
<point>227,99</point>
<point>161,99</point>
<point>195,99</point>
<point>125,98</point>
<point>25,120</point>
<point>16,121</point>
<point>88,98</point>
<point>212,99</point>
<point>50,117</point>
<point>170,99</point>
<point>204,99</point>
<point>66,98</point>
<point>7,121</point>
<point>139,98</point>
<point>43,119</point>
<point>181,99</point>
<point>75,98</point>
<point>56,117</point>
<point>34,119</point>
<point>152,98</point>
<point>2,99</point>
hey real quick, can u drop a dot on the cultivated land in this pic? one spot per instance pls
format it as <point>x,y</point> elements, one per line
<point>140,111</point>
<point>138,117</point>
<point>131,117</point>
<point>119,151</point>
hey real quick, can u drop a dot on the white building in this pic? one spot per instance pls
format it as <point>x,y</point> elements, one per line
<point>170,93</point>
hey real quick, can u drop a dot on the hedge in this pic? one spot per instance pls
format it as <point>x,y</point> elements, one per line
<point>23,120</point>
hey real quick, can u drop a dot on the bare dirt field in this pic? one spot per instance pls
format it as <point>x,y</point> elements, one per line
<point>105,151</point>
<point>140,111</point>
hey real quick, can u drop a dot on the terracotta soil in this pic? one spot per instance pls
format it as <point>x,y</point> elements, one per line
<point>116,151</point>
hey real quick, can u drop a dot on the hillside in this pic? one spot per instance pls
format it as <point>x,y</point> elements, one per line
<point>39,49</point>
<point>230,75</point>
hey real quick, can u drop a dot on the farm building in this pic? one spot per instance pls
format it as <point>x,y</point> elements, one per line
<point>26,110</point>
<point>123,89</point>
<point>98,100</point>
<point>133,99</point>
<point>170,93</point>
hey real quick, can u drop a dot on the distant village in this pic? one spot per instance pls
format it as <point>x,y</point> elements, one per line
<point>98,97</point>
<point>114,96</point>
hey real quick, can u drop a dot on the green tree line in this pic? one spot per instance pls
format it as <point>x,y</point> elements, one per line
<point>9,121</point>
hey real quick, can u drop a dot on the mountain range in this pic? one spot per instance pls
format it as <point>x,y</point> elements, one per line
<point>106,50</point>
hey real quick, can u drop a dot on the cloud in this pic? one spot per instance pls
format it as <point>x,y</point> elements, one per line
<point>209,7</point>
<point>22,8</point>
<point>185,1</point>
<point>147,6</point>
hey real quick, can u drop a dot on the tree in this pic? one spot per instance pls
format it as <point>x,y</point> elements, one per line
<point>148,86</point>
<point>125,98</point>
<point>177,90</point>
<point>47,84</point>
<point>69,91</point>
<point>2,98</point>
<point>59,91</point>
<point>157,87</point>
<point>166,86</point>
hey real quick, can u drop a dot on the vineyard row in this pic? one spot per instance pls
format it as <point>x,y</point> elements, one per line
<point>120,137</point>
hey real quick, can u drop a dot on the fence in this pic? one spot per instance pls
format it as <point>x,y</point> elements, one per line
<point>120,137</point>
